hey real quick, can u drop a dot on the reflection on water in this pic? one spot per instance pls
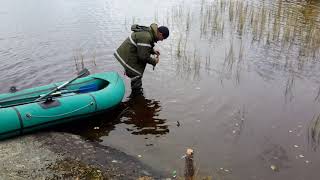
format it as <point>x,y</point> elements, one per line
<point>276,156</point>
<point>314,133</point>
<point>143,114</point>
<point>137,111</point>
<point>93,128</point>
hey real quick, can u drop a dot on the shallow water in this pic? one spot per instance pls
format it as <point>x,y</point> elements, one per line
<point>238,81</point>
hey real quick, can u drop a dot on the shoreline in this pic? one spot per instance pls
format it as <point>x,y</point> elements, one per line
<point>56,155</point>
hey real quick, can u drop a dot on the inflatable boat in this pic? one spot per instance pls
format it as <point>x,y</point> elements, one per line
<point>35,108</point>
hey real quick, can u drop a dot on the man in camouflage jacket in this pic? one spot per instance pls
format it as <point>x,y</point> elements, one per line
<point>135,52</point>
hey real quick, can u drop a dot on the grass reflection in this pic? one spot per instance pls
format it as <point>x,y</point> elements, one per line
<point>314,133</point>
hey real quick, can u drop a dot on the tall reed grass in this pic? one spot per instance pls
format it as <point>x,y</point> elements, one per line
<point>279,25</point>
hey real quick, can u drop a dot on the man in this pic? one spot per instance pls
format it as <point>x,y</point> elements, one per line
<point>135,52</point>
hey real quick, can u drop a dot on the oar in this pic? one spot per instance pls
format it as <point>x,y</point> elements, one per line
<point>26,102</point>
<point>82,73</point>
<point>55,94</point>
<point>83,89</point>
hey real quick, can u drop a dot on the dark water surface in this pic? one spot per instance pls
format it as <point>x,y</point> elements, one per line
<point>238,81</point>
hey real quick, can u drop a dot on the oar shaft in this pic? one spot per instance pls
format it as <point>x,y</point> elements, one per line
<point>58,93</point>
<point>31,99</point>
<point>82,73</point>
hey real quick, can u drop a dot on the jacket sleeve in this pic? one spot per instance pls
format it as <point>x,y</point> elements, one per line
<point>152,51</point>
<point>144,50</point>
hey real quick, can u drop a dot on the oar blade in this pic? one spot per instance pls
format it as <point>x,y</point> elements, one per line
<point>83,73</point>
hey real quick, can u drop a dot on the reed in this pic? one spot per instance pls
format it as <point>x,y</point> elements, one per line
<point>202,6</point>
<point>94,57</point>
<point>215,24</point>
<point>318,95</point>
<point>240,63</point>
<point>255,27</point>
<point>314,132</point>
<point>288,93</point>
<point>196,64</point>
<point>262,21</point>
<point>222,5</point>
<point>82,61</point>
<point>76,64</point>
<point>79,60</point>
<point>168,18</point>
<point>179,47</point>
<point>156,16</point>
<point>188,21</point>
<point>231,11</point>
<point>242,14</point>
<point>229,58</point>
<point>238,73</point>
<point>207,63</point>
<point>281,27</point>
<point>133,20</point>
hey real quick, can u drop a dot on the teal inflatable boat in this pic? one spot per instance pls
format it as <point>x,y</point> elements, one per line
<point>25,111</point>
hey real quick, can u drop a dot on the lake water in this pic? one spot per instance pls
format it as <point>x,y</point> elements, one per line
<point>238,81</point>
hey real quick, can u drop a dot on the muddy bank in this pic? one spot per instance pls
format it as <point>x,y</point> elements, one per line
<point>62,155</point>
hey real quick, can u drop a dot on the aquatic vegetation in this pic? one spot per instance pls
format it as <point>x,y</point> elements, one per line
<point>188,22</point>
<point>79,59</point>
<point>288,93</point>
<point>266,25</point>
<point>179,47</point>
<point>156,16</point>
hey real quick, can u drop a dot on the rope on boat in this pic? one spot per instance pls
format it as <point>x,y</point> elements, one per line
<point>29,115</point>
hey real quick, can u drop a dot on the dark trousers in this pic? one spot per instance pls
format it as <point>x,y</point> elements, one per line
<point>136,83</point>
<point>136,86</point>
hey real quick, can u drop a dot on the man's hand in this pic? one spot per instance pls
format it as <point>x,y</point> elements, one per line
<point>157,59</point>
<point>157,52</point>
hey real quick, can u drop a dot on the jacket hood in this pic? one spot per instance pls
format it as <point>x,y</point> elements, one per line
<point>154,30</point>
